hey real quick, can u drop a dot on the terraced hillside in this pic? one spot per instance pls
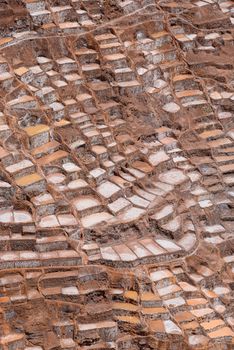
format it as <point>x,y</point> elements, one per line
<point>116,175</point>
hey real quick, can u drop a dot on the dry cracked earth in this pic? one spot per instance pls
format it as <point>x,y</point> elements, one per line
<point>116,175</point>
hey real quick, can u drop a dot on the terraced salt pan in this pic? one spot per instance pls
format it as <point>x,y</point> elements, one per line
<point>95,219</point>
